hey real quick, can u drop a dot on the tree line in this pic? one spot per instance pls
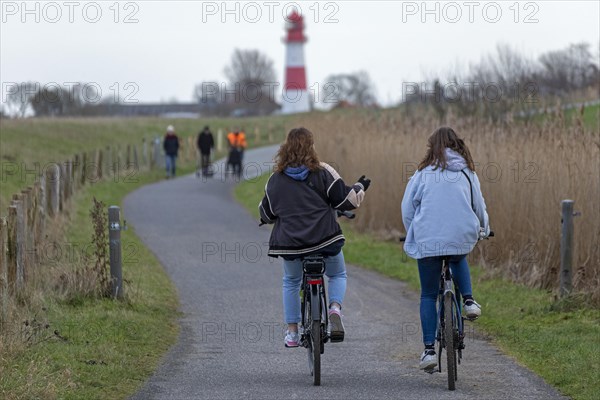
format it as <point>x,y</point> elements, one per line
<point>507,81</point>
<point>503,82</point>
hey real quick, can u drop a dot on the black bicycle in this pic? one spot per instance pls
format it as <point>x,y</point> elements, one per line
<point>450,328</point>
<point>315,316</point>
<point>450,333</point>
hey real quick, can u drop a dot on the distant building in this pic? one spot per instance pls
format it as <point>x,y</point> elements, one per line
<point>178,110</point>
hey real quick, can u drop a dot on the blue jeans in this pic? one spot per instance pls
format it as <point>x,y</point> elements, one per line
<point>170,161</point>
<point>335,269</point>
<point>430,269</point>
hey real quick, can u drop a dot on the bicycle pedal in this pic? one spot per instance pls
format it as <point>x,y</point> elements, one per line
<point>336,337</point>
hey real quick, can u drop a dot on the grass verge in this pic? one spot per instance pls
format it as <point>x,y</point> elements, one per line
<point>90,348</point>
<point>71,347</point>
<point>64,344</point>
<point>558,340</point>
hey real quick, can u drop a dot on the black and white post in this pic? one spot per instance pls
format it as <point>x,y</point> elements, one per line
<point>114,236</point>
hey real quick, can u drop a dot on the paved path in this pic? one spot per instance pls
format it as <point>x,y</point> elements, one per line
<point>231,344</point>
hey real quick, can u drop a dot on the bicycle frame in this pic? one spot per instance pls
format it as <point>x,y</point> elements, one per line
<point>448,285</point>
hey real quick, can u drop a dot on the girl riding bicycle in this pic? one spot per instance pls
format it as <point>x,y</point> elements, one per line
<point>301,197</point>
<point>444,214</point>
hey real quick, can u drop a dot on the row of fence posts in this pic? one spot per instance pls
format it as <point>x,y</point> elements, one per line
<point>24,228</point>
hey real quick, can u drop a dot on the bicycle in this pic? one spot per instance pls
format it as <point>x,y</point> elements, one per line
<point>449,336</point>
<point>314,308</point>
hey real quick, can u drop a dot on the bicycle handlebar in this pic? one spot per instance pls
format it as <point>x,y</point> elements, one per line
<point>403,238</point>
<point>347,214</point>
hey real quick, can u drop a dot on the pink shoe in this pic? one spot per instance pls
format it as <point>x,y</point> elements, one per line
<point>336,327</point>
<point>292,339</point>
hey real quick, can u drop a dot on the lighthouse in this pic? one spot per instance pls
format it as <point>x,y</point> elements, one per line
<point>295,96</point>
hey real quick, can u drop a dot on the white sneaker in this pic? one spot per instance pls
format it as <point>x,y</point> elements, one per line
<point>472,309</point>
<point>428,359</point>
<point>292,339</point>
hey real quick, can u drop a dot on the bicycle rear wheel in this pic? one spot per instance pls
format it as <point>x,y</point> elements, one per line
<point>449,337</point>
<point>317,344</point>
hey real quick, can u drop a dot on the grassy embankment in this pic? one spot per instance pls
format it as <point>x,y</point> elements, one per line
<point>61,344</point>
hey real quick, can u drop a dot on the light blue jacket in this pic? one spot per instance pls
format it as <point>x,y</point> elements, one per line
<point>437,212</point>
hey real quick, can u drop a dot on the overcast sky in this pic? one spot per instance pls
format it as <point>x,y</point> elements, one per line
<point>176,44</point>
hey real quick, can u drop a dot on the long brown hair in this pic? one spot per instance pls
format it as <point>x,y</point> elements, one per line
<point>297,150</point>
<point>445,137</point>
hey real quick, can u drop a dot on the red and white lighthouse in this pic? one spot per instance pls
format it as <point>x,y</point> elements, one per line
<point>295,96</point>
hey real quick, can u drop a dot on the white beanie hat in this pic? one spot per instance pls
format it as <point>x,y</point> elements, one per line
<point>170,129</point>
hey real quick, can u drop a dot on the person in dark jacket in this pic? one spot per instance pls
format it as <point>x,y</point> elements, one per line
<point>301,199</point>
<point>171,147</point>
<point>205,145</point>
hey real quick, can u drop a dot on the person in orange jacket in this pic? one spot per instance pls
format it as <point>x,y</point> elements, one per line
<point>237,145</point>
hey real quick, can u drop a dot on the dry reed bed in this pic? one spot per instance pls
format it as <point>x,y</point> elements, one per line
<point>525,172</point>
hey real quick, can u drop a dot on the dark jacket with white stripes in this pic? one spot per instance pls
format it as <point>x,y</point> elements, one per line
<point>303,211</point>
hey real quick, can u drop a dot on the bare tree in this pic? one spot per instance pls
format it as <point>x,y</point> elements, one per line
<point>207,92</point>
<point>250,67</point>
<point>569,69</point>
<point>56,100</point>
<point>251,76</point>
<point>19,97</point>
<point>355,88</point>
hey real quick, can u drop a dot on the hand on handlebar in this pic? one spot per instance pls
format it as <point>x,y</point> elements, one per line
<point>485,233</point>
<point>347,214</point>
<point>365,182</point>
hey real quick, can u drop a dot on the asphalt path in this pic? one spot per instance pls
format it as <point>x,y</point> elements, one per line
<point>231,340</point>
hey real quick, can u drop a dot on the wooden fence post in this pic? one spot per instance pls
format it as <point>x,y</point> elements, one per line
<point>566,248</point>
<point>26,196</point>
<point>66,180</point>
<point>3,272</point>
<point>76,172</point>
<point>220,140</point>
<point>257,134</point>
<point>108,171</point>
<point>71,173</point>
<point>40,217</point>
<point>19,241</point>
<point>136,164</point>
<point>144,153</point>
<point>11,253</point>
<point>61,186</point>
<point>128,157</point>
<point>84,168</point>
<point>158,160</point>
<point>53,189</point>
<point>99,165</point>
<point>35,220</point>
